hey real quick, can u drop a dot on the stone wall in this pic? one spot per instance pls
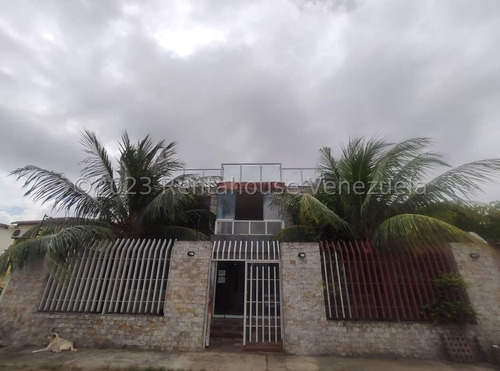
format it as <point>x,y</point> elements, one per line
<point>307,331</point>
<point>482,275</point>
<point>180,329</point>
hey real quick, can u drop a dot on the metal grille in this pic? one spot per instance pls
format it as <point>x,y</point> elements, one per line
<point>362,284</point>
<point>127,276</point>
<point>246,250</point>
<point>262,316</point>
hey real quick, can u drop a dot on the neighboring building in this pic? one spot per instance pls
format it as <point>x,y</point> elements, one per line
<point>5,237</point>
<point>9,233</point>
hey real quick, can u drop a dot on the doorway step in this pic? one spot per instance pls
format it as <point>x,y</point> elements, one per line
<point>226,333</point>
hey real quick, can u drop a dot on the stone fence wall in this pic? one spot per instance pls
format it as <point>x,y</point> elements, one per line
<point>306,328</point>
<point>181,328</point>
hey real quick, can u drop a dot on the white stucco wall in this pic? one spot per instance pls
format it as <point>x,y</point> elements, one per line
<point>5,240</point>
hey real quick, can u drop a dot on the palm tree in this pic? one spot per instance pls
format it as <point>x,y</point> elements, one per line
<point>375,191</point>
<point>139,198</point>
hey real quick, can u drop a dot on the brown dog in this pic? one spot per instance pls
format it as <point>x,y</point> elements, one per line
<point>56,344</point>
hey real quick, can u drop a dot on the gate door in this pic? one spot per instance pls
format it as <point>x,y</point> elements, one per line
<point>262,317</point>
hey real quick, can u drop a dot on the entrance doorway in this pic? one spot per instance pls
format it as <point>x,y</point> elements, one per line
<point>244,307</point>
<point>229,289</point>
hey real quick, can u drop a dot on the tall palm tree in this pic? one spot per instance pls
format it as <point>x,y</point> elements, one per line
<point>377,191</point>
<point>136,197</point>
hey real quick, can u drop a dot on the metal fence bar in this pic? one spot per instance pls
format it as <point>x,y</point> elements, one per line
<point>136,276</point>
<point>346,289</point>
<point>332,280</point>
<point>64,298</point>
<point>375,282</point>
<point>250,300</point>
<point>257,303</point>
<point>105,276</point>
<point>339,284</point>
<point>140,281</point>
<point>77,282</point>
<point>166,267</point>
<point>368,285</point>
<point>130,276</point>
<point>88,275</point>
<point>262,302</point>
<point>351,281</point>
<point>100,286</point>
<point>151,278</point>
<point>327,283</point>
<point>108,276</point>
<point>95,277</point>
<point>245,305</point>
<point>115,276</point>
<point>275,306</point>
<point>53,283</point>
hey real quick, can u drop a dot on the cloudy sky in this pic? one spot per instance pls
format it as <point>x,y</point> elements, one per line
<point>239,81</point>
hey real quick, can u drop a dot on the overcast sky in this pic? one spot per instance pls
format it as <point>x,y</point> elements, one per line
<point>239,81</point>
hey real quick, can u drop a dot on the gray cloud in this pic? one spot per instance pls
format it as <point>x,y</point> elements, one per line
<point>247,81</point>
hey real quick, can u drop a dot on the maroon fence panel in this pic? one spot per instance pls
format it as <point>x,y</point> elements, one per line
<point>361,283</point>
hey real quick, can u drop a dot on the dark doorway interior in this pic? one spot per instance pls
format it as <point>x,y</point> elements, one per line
<point>229,290</point>
<point>249,207</point>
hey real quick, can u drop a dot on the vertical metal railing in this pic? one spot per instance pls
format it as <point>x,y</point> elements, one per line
<point>127,276</point>
<point>262,310</point>
<point>362,284</point>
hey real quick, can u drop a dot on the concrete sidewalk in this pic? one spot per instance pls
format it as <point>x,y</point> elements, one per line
<point>109,359</point>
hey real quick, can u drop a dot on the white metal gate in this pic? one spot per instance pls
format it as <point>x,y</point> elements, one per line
<point>262,318</point>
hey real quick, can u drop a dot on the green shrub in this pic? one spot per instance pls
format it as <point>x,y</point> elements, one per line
<point>450,280</point>
<point>443,311</point>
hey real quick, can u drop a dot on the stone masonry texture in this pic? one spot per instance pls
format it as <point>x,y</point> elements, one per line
<point>180,329</point>
<point>308,332</point>
<point>482,276</point>
<point>306,328</point>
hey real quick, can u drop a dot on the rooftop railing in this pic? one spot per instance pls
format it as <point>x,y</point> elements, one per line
<point>258,172</point>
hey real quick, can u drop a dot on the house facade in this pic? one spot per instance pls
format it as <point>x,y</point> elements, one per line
<point>243,289</point>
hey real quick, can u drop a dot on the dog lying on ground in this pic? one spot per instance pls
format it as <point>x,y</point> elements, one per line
<point>56,344</point>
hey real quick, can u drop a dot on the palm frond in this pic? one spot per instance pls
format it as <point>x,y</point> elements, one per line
<point>296,233</point>
<point>166,204</point>
<point>23,253</point>
<point>458,184</point>
<point>417,233</point>
<point>63,245</point>
<point>52,226</point>
<point>98,169</point>
<point>97,165</point>
<point>402,165</point>
<point>313,212</point>
<point>49,186</point>
<point>166,164</point>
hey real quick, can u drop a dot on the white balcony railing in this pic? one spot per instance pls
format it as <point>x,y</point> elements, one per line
<point>257,172</point>
<point>248,227</point>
